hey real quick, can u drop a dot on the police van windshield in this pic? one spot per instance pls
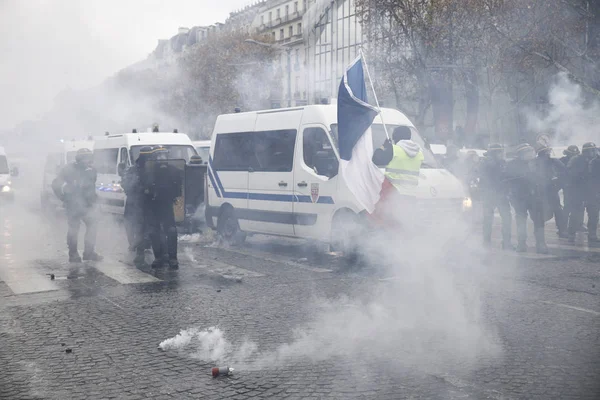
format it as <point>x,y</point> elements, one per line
<point>3,165</point>
<point>379,137</point>
<point>176,152</point>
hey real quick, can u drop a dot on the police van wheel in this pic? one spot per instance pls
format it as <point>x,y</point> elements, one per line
<point>229,228</point>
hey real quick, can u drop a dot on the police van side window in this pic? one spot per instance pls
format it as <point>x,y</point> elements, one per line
<point>274,150</point>
<point>105,160</point>
<point>318,152</point>
<point>233,152</point>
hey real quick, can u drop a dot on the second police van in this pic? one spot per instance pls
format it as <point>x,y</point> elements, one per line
<point>115,153</point>
<point>276,172</point>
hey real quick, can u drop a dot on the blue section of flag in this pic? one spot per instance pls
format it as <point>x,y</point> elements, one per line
<point>354,114</point>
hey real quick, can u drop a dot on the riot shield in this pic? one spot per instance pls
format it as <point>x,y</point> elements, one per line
<point>165,181</point>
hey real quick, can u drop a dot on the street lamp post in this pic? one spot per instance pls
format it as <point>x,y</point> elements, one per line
<point>288,51</point>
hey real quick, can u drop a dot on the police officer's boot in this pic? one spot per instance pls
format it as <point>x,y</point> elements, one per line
<point>91,255</point>
<point>140,258</point>
<point>74,256</point>
<point>540,241</point>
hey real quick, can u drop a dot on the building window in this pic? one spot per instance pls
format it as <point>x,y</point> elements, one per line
<point>281,34</point>
<point>270,16</point>
<point>273,33</point>
<point>304,5</point>
<point>287,10</point>
<point>278,13</point>
<point>296,7</point>
<point>262,19</point>
<point>300,29</point>
<point>291,31</point>
<point>297,56</point>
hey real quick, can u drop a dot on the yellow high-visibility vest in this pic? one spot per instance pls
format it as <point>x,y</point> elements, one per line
<point>403,171</point>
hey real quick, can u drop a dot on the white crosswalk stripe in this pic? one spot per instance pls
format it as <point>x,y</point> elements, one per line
<point>23,279</point>
<point>123,273</point>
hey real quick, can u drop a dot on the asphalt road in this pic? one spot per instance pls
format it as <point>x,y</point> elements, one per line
<point>435,318</point>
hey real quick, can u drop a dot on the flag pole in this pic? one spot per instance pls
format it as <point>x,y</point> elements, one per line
<point>362,56</point>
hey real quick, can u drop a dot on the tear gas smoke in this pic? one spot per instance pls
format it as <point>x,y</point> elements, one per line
<point>429,314</point>
<point>573,118</point>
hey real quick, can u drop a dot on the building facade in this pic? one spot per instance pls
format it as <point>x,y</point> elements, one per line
<point>280,21</point>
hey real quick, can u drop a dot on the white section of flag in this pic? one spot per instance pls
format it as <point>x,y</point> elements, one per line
<point>363,178</point>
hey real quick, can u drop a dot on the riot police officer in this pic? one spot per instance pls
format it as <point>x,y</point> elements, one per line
<point>526,196</point>
<point>494,194</point>
<point>552,173</point>
<point>568,153</point>
<point>166,187</point>
<point>137,206</point>
<point>75,186</point>
<point>583,196</point>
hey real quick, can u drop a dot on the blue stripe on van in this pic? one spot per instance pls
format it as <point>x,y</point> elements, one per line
<point>212,181</point>
<point>260,196</point>
<point>216,176</point>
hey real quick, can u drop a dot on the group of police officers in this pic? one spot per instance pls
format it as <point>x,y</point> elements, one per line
<point>149,215</point>
<point>531,182</point>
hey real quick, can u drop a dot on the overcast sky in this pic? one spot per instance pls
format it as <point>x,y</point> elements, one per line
<point>48,45</point>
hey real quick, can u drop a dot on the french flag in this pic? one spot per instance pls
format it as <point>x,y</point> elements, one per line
<point>355,116</point>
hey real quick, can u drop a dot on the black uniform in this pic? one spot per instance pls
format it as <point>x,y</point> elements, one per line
<point>583,196</point>
<point>494,195</point>
<point>75,185</point>
<point>567,192</point>
<point>527,196</point>
<point>136,208</point>
<point>553,174</point>
<point>165,188</point>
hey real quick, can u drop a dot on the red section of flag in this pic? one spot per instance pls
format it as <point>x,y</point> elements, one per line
<point>386,195</point>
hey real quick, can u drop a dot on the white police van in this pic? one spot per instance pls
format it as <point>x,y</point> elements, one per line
<point>61,154</point>
<point>115,153</point>
<point>276,172</point>
<point>6,174</point>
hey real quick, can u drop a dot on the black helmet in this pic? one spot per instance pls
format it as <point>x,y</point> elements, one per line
<point>589,149</point>
<point>83,154</point>
<point>544,150</point>
<point>159,151</point>
<point>525,148</point>
<point>145,153</point>
<point>195,159</point>
<point>572,150</point>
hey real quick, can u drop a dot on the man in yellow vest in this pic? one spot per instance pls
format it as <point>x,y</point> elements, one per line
<point>402,161</point>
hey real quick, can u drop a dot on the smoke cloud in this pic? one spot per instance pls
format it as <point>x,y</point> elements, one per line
<point>573,118</point>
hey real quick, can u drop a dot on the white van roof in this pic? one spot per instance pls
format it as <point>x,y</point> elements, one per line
<point>141,139</point>
<point>201,143</point>
<point>74,145</point>
<point>244,122</point>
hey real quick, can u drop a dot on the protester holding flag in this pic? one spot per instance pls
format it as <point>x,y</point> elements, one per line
<point>403,161</point>
<point>376,191</point>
